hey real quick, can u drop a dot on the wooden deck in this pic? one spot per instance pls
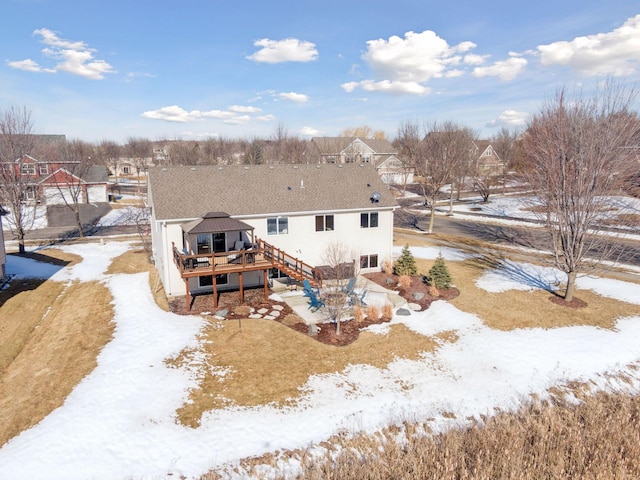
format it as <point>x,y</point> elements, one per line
<point>262,257</point>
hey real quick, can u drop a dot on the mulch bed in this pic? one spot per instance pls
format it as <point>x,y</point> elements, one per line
<point>574,303</point>
<point>349,330</point>
<point>391,281</point>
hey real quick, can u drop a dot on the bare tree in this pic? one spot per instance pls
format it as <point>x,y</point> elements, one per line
<point>576,145</point>
<point>364,131</point>
<point>341,269</point>
<point>16,141</point>
<point>108,154</point>
<point>505,145</point>
<point>75,156</point>
<point>140,150</point>
<point>444,149</point>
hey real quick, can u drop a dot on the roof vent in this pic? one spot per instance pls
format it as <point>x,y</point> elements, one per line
<point>246,167</point>
<point>220,169</point>
<point>193,169</point>
<point>375,197</point>
<point>368,184</point>
<point>288,188</point>
<point>301,183</point>
<point>164,170</point>
<point>271,167</point>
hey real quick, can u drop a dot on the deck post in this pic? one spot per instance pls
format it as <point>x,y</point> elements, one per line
<point>240,285</point>
<point>186,285</point>
<point>266,284</point>
<point>215,291</point>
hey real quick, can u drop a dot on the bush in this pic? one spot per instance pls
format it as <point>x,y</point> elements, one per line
<point>405,282</point>
<point>406,264</point>
<point>439,274</point>
<point>387,311</point>
<point>358,314</point>
<point>373,312</point>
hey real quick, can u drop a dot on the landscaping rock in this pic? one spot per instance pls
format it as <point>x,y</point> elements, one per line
<point>403,312</point>
<point>278,307</point>
<point>275,313</point>
<point>269,317</point>
<point>262,311</point>
<point>414,306</point>
<point>418,295</point>
<point>255,315</point>
<point>222,313</point>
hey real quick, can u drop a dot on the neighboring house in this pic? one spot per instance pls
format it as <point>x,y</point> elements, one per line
<point>378,152</point>
<point>132,167</point>
<point>49,182</point>
<point>488,162</point>
<point>233,226</point>
<point>3,252</point>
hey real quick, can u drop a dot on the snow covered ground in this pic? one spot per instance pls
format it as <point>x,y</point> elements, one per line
<point>120,421</point>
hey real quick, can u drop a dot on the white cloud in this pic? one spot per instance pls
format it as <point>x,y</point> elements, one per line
<point>266,118</point>
<point>510,118</point>
<point>310,132</point>
<point>175,113</point>
<point>387,86</point>
<point>505,69</point>
<point>473,59</point>
<point>75,58</point>
<point>614,53</point>
<point>238,120</point>
<point>27,65</point>
<point>287,50</point>
<point>244,109</point>
<point>418,57</point>
<point>404,65</point>
<point>294,97</point>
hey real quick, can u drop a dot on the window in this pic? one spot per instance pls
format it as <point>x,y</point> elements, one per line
<point>43,169</point>
<point>204,243</point>
<point>277,225</point>
<point>324,223</point>
<point>28,169</point>
<point>211,242</point>
<point>126,170</point>
<point>369,261</point>
<point>222,279</point>
<point>369,220</point>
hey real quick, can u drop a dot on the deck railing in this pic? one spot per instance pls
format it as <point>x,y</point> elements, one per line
<point>263,255</point>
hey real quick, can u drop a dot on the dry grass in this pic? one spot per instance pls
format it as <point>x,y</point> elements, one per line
<point>269,363</point>
<point>49,358</point>
<point>528,309</point>
<point>50,337</point>
<point>518,309</point>
<point>600,439</point>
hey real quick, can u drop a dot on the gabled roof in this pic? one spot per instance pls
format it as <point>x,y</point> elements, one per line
<point>335,145</point>
<point>215,222</point>
<point>262,190</point>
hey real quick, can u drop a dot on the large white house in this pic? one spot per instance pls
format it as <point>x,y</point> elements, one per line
<point>217,227</point>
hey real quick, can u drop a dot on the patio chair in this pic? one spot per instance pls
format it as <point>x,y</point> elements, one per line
<point>308,289</point>
<point>315,302</point>
<point>358,299</point>
<point>348,289</point>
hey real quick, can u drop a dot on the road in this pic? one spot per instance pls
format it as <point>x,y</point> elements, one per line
<point>519,236</point>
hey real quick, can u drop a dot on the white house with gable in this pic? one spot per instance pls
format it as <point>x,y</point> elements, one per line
<point>224,227</point>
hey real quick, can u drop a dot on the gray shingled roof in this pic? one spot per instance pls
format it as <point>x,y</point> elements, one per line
<point>190,192</point>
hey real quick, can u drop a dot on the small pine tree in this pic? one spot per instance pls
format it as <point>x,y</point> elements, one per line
<point>406,264</point>
<point>439,274</point>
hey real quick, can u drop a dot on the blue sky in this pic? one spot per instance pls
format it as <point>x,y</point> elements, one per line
<point>193,69</point>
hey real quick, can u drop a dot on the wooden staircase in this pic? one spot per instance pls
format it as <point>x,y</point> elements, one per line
<point>290,265</point>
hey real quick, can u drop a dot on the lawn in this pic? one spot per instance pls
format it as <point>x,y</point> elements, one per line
<point>99,329</point>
